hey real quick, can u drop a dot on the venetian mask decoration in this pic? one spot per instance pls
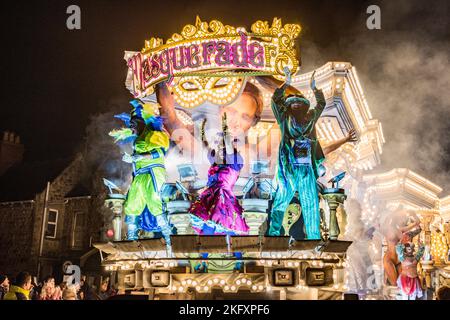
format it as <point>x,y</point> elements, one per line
<point>193,91</point>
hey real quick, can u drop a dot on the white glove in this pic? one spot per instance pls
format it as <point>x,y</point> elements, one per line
<point>287,73</point>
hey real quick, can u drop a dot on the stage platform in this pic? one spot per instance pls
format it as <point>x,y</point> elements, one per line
<point>205,265</point>
<point>250,248</point>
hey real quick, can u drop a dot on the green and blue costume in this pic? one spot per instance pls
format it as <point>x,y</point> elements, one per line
<point>143,205</point>
<point>299,158</point>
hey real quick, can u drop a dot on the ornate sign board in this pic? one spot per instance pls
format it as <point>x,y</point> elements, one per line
<point>209,61</point>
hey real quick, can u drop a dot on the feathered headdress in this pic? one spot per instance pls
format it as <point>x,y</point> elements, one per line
<point>141,110</point>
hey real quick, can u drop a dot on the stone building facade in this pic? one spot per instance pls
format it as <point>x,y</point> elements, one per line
<point>57,225</point>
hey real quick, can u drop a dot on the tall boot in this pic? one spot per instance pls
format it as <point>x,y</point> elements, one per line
<point>166,230</point>
<point>132,227</point>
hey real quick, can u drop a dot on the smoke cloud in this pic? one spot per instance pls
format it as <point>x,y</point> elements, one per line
<point>404,73</point>
<point>103,157</point>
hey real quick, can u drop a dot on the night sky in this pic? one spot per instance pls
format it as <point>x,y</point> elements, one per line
<point>55,79</point>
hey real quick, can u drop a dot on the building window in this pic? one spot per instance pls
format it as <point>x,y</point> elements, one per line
<point>52,222</point>
<point>78,230</point>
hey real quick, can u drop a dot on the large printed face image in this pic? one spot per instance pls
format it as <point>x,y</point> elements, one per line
<point>243,118</point>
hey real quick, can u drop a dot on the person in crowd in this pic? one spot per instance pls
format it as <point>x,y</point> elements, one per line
<point>69,293</point>
<point>104,291</point>
<point>49,290</point>
<point>62,286</point>
<point>4,285</point>
<point>85,292</point>
<point>20,290</point>
<point>443,293</point>
<point>35,292</point>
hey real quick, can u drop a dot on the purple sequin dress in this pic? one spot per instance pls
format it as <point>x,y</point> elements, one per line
<point>218,211</point>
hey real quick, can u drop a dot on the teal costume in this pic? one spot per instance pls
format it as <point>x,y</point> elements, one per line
<point>299,157</point>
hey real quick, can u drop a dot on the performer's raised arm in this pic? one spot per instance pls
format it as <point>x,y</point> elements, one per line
<point>314,113</point>
<point>171,121</point>
<point>279,93</point>
<point>351,137</point>
<point>271,84</point>
<point>410,226</point>
<point>278,98</point>
<point>167,108</point>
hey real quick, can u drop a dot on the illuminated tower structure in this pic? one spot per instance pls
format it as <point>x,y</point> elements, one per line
<point>377,193</point>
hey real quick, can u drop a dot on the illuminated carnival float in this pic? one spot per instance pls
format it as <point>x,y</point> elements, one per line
<point>212,82</point>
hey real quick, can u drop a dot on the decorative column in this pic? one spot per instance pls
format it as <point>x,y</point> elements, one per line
<point>427,217</point>
<point>334,197</point>
<point>447,237</point>
<point>115,203</point>
<point>121,281</point>
<point>428,267</point>
<point>182,222</point>
<point>254,221</point>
